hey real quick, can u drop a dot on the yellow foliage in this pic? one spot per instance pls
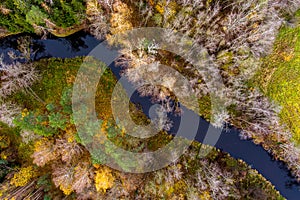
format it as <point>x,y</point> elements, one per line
<point>252,15</point>
<point>160,8</point>
<point>66,190</point>
<point>22,177</point>
<point>104,126</point>
<point>151,2</point>
<point>169,190</point>
<point>25,112</point>
<point>287,57</point>
<point>97,166</point>
<point>70,134</point>
<point>171,7</point>
<point>208,3</point>
<point>205,196</point>
<point>104,179</point>
<point>93,7</point>
<point>120,18</point>
<point>123,131</point>
<point>180,186</point>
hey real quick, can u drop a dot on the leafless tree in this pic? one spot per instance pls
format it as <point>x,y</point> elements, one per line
<point>63,176</point>
<point>8,111</point>
<point>82,177</point>
<point>15,77</point>
<point>68,150</point>
<point>44,152</point>
<point>98,19</point>
<point>29,191</point>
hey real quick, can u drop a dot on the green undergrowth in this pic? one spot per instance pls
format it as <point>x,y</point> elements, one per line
<point>26,16</point>
<point>48,112</point>
<point>280,77</point>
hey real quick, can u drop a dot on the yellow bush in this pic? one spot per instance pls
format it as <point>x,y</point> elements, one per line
<point>205,196</point>
<point>104,179</point>
<point>22,177</point>
<point>93,7</point>
<point>66,190</point>
<point>159,7</point>
<point>171,7</point>
<point>25,112</point>
<point>120,18</point>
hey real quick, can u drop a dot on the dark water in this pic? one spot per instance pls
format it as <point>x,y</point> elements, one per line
<point>80,44</point>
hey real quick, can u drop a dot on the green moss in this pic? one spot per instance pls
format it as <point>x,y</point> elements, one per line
<point>280,77</point>
<point>205,107</point>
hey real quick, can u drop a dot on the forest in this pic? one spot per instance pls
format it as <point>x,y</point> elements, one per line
<point>253,46</point>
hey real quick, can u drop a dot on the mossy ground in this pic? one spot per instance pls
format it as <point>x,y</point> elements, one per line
<point>280,76</point>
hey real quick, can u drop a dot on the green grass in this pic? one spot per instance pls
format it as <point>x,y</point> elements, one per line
<point>280,77</point>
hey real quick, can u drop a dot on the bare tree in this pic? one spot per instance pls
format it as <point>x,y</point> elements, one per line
<point>15,77</point>
<point>71,178</point>
<point>82,177</point>
<point>98,20</point>
<point>8,111</point>
<point>68,150</point>
<point>44,152</point>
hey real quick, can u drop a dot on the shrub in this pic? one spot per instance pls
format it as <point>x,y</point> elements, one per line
<point>22,177</point>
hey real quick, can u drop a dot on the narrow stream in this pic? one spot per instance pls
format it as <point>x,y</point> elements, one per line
<point>80,44</point>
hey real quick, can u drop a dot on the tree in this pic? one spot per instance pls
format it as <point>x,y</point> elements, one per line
<point>82,177</point>
<point>71,178</point>
<point>15,77</point>
<point>98,20</point>
<point>120,18</point>
<point>63,176</point>
<point>57,121</point>
<point>44,152</point>
<point>22,177</point>
<point>68,150</point>
<point>36,16</point>
<point>8,111</point>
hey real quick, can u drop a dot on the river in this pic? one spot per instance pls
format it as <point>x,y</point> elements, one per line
<point>80,44</point>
